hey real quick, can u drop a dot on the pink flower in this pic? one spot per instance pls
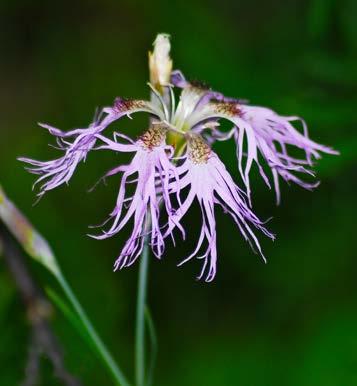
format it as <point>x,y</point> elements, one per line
<point>151,170</point>
<point>161,176</point>
<point>208,181</point>
<point>257,130</point>
<point>59,171</point>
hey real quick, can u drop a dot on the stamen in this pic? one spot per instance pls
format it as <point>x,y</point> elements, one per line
<point>173,102</point>
<point>158,95</point>
<point>173,128</point>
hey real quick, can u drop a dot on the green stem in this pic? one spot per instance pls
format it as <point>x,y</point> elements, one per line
<point>153,340</point>
<point>103,351</point>
<point>140,317</point>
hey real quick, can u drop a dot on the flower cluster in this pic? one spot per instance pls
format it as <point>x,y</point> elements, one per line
<point>173,163</point>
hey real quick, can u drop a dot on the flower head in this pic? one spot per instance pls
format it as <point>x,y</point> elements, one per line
<point>256,131</point>
<point>209,182</point>
<point>174,165</point>
<point>151,169</point>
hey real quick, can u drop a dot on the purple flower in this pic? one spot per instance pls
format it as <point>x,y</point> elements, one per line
<point>59,171</point>
<point>264,132</point>
<point>274,135</point>
<point>152,169</point>
<point>208,181</point>
<point>174,165</point>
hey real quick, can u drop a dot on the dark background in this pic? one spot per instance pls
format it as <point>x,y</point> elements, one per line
<point>290,322</point>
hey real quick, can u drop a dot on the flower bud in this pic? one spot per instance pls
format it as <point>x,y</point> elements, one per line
<point>160,63</point>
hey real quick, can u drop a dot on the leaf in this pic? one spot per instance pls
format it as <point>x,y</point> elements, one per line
<point>32,242</point>
<point>69,315</point>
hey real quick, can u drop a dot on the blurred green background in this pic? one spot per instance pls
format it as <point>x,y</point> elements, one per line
<point>290,322</point>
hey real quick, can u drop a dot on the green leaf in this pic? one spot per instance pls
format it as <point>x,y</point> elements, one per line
<point>24,232</point>
<point>69,315</point>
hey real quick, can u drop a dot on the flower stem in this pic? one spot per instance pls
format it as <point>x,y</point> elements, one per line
<point>98,343</point>
<point>140,316</point>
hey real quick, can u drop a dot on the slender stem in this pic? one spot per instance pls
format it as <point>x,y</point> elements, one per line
<point>104,353</point>
<point>153,340</point>
<point>140,316</point>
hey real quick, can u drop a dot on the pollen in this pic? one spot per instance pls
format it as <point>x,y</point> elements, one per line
<point>198,149</point>
<point>154,136</point>
<point>122,104</point>
<point>227,108</point>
